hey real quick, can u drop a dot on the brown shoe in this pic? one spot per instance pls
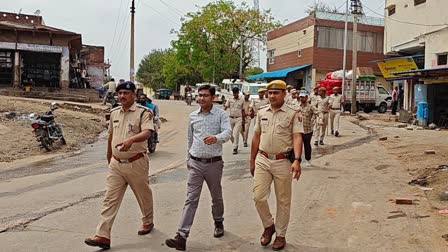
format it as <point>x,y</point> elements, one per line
<point>146,229</point>
<point>266,237</point>
<point>98,241</point>
<point>279,243</point>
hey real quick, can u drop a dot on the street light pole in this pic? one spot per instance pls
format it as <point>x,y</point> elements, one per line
<point>344,63</point>
<point>355,11</point>
<point>132,71</point>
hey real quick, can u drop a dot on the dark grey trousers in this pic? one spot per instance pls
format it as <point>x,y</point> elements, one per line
<point>212,174</point>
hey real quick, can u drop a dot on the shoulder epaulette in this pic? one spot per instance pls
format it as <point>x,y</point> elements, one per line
<point>143,107</point>
<point>116,108</point>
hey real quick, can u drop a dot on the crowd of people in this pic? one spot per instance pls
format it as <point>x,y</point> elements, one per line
<point>285,120</point>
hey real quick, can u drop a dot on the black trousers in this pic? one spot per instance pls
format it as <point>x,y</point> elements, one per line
<point>394,107</point>
<point>307,144</point>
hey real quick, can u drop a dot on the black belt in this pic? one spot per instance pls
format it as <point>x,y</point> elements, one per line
<point>207,160</point>
<point>234,117</point>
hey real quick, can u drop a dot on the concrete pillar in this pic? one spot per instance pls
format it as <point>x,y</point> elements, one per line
<point>16,81</point>
<point>65,69</point>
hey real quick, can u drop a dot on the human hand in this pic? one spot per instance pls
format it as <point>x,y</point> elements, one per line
<point>252,167</point>
<point>125,145</point>
<point>210,140</point>
<point>296,170</point>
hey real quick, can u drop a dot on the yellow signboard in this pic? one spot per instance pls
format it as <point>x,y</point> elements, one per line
<point>390,66</point>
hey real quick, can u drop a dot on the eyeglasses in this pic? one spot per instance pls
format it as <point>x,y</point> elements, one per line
<point>203,95</point>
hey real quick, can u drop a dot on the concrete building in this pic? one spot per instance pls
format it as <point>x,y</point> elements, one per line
<point>303,51</point>
<point>418,30</point>
<point>47,58</point>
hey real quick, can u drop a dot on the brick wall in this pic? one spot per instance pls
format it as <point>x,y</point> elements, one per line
<point>291,60</point>
<point>331,59</point>
<point>292,27</point>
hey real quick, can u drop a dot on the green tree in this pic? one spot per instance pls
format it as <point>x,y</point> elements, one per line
<point>210,39</point>
<point>150,69</point>
<point>321,7</point>
<point>253,71</point>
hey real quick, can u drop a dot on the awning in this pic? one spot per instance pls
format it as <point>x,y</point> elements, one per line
<point>277,74</point>
<point>425,73</point>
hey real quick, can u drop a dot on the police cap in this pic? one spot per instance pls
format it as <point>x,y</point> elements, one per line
<point>127,85</point>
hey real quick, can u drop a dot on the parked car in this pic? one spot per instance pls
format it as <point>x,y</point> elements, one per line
<point>163,94</point>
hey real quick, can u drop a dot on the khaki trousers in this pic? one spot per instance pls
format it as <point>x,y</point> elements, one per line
<point>245,134</point>
<point>335,115</point>
<point>321,126</point>
<point>120,175</point>
<point>266,171</point>
<point>236,124</point>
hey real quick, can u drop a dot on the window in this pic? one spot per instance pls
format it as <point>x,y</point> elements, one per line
<point>271,55</point>
<point>391,10</point>
<point>334,38</point>
<point>299,53</point>
<point>417,2</point>
<point>382,90</point>
<point>442,59</point>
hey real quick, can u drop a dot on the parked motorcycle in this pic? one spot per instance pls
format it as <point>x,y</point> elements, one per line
<point>112,98</point>
<point>46,130</point>
<point>189,99</point>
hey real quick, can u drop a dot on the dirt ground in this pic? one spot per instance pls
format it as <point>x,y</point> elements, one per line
<point>408,145</point>
<point>81,126</point>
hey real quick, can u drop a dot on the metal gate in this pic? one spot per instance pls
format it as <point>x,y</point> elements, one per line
<point>6,68</point>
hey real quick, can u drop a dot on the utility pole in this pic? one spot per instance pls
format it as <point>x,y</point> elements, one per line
<point>241,58</point>
<point>356,10</point>
<point>132,71</point>
<point>108,69</point>
<point>344,63</point>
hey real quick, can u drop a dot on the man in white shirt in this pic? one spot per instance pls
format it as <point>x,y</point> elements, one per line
<point>111,87</point>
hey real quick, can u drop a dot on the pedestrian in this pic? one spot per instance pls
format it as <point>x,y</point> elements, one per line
<point>335,111</point>
<point>307,111</point>
<point>208,129</point>
<point>323,107</point>
<point>111,89</point>
<point>275,156</point>
<point>258,103</point>
<point>400,97</point>
<point>83,78</point>
<point>247,119</point>
<point>129,130</point>
<point>394,100</point>
<point>237,115</point>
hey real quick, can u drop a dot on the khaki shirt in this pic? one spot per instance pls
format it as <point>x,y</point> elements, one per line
<point>277,128</point>
<point>257,103</point>
<point>246,106</point>
<point>127,124</point>
<point>292,102</point>
<point>313,99</point>
<point>235,107</point>
<point>335,101</point>
<point>323,104</point>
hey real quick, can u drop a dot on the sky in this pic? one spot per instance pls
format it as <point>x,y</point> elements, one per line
<point>107,22</point>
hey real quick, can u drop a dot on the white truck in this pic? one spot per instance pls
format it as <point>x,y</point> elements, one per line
<point>252,89</point>
<point>369,96</point>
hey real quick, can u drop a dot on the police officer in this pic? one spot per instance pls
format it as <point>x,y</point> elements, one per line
<point>323,107</point>
<point>247,119</point>
<point>257,103</point>
<point>336,103</point>
<point>275,156</point>
<point>237,115</point>
<point>129,129</point>
<point>292,100</point>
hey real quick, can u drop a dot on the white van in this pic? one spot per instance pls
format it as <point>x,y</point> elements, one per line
<point>252,89</point>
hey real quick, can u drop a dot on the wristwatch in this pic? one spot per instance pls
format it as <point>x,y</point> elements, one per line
<point>298,159</point>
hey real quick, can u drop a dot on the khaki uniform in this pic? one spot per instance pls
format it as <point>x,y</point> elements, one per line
<point>313,102</point>
<point>335,111</point>
<point>235,107</point>
<point>323,107</point>
<point>245,134</point>
<point>135,174</point>
<point>276,137</point>
<point>257,103</point>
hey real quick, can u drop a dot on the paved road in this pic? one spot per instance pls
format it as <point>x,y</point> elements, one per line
<point>340,204</point>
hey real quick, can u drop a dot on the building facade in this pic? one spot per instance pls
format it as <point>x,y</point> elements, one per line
<point>419,29</point>
<point>317,42</point>
<point>44,57</point>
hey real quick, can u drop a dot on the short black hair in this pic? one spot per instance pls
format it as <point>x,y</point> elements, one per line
<point>112,79</point>
<point>211,89</point>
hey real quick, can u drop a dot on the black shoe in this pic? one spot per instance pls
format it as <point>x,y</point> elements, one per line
<point>332,132</point>
<point>219,230</point>
<point>321,142</point>
<point>245,144</point>
<point>179,243</point>
<point>316,143</point>
<point>235,151</point>
<point>336,134</point>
